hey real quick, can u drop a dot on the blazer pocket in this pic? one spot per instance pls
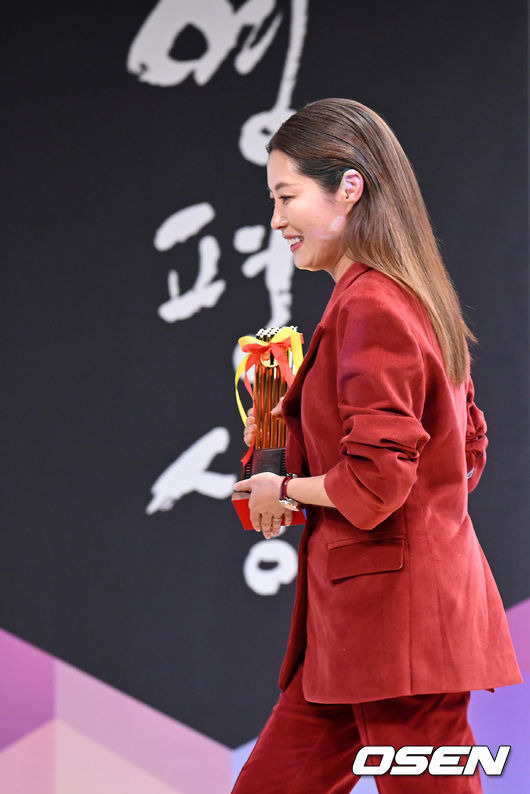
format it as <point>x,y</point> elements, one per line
<point>356,557</point>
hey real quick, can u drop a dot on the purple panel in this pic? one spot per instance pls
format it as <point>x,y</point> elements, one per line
<point>239,757</point>
<point>519,622</point>
<point>503,717</point>
<point>26,688</point>
<point>179,756</point>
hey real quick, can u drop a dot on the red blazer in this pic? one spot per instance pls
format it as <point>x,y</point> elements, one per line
<point>394,595</point>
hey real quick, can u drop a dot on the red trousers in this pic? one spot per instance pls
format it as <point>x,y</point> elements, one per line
<point>309,748</point>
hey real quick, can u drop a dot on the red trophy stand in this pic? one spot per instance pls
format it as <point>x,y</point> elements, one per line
<point>276,354</point>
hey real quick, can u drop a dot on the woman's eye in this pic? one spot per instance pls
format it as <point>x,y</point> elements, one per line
<point>281,198</point>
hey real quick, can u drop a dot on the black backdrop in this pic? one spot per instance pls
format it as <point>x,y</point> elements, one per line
<point>102,394</point>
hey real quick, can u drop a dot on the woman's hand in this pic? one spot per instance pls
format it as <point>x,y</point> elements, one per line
<point>266,512</point>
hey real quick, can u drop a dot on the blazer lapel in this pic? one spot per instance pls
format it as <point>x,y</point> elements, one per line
<point>291,403</point>
<point>295,452</point>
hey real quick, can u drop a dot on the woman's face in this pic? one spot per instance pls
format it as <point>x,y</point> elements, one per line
<point>311,220</point>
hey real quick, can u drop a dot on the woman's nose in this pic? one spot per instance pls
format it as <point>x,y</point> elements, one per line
<point>277,220</point>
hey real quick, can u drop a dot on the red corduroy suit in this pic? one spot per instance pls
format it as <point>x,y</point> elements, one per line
<point>394,595</point>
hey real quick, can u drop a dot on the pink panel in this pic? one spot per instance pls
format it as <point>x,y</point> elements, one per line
<point>26,688</point>
<point>170,751</point>
<point>85,767</point>
<point>27,766</point>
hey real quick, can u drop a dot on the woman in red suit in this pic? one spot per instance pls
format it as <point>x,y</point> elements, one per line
<point>397,615</point>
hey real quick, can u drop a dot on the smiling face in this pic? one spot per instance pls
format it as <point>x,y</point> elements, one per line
<point>311,219</point>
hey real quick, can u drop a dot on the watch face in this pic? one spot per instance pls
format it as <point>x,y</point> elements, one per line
<point>292,504</point>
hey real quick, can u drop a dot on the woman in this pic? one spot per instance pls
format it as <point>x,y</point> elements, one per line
<point>397,616</point>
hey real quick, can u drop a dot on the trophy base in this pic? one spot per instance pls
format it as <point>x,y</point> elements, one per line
<point>272,460</point>
<point>265,460</point>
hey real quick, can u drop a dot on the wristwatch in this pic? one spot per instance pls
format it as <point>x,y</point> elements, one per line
<point>285,500</point>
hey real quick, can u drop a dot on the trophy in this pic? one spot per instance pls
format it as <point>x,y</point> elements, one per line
<point>275,354</point>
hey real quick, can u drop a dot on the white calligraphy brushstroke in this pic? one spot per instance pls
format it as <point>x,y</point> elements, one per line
<point>248,239</point>
<point>297,33</point>
<point>182,225</point>
<point>258,129</point>
<point>277,262</point>
<point>253,51</point>
<point>204,294</point>
<point>267,581</point>
<point>188,473</point>
<point>221,25</point>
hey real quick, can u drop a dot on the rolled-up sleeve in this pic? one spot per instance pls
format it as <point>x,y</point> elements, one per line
<point>381,393</point>
<point>476,438</point>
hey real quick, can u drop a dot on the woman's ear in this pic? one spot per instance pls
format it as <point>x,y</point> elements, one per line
<point>351,187</point>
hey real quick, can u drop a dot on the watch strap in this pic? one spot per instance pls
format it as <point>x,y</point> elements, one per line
<point>284,499</point>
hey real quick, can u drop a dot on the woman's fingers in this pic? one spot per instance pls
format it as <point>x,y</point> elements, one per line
<point>255,520</point>
<point>277,410</point>
<point>270,525</point>
<point>248,437</point>
<point>250,429</point>
<point>276,526</point>
<point>266,524</point>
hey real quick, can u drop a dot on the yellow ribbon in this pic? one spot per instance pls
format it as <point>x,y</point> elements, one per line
<point>285,339</point>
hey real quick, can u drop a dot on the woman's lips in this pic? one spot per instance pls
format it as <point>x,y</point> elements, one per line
<point>297,242</point>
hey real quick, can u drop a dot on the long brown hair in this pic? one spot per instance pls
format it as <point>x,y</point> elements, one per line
<point>389,227</point>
